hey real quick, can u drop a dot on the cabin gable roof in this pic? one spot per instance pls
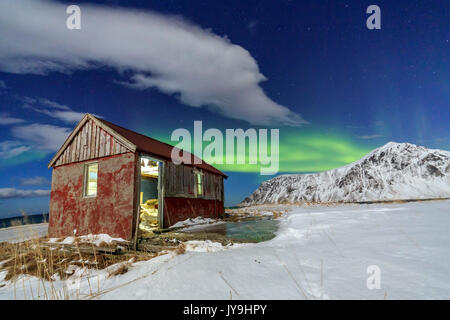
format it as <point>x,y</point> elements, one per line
<point>89,140</point>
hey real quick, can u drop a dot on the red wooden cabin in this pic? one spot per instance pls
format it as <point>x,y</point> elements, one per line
<point>104,174</point>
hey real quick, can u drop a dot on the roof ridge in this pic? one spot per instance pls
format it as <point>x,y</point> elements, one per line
<point>203,164</point>
<point>109,122</point>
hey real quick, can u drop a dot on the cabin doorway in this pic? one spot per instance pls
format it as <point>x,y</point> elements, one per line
<point>150,197</point>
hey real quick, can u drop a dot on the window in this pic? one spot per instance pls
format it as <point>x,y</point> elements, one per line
<point>90,180</point>
<point>199,183</point>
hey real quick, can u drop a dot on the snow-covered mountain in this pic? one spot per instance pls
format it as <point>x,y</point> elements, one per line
<point>396,171</point>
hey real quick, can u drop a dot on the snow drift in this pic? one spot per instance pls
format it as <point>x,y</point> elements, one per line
<point>396,171</point>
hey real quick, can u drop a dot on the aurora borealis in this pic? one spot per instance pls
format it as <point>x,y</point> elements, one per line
<point>333,88</point>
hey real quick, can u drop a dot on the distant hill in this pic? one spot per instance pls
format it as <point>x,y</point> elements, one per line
<point>395,171</point>
<point>22,220</point>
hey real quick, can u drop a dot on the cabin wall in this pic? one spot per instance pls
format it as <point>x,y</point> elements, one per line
<point>180,199</point>
<point>179,209</point>
<point>91,142</point>
<point>111,211</point>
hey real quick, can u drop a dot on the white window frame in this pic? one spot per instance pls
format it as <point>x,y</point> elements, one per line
<point>201,174</point>
<point>86,180</point>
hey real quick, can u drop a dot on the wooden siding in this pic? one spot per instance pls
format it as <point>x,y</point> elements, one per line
<point>91,142</point>
<point>111,211</point>
<point>179,181</point>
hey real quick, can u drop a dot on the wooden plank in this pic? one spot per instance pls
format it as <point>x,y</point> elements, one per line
<point>88,140</point>
<point>85,248</point>
<point>66,156</point>
<point>63,157</point>
<point>116,147</point>
<point>102,143</point>
<point>92,146</point>
<point>188,180</point>
<point>72,152</point>
<point>179,179</point>
<point>107,145</point>
<point>97,141</point>
<point>77,148</point>
<point>68,140</point>
<point>111,152</point>
<point>82,139</point>
<point>118,137</point>
<point>153,248</point>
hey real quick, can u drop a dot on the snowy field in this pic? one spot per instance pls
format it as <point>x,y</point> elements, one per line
<point>25,232</point>
<point>318,253</point>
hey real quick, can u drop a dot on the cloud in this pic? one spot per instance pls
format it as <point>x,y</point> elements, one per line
<point>252,25</point>
<point>162,52</point>
<point>36,136</point>
<point>53,104</point>
<point>52,109</point>
<point>9,193</point>
<point>5,119</point>
<point>66,116</point>
<point>371,136</point>
<point>35,181</point>
<point>9,149</point>
<point>42,137</point>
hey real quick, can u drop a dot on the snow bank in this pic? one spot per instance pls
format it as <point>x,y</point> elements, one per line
<point>193,221</point>
<point>208,246</point>
<point>97,239</point>
<point>25,232</point>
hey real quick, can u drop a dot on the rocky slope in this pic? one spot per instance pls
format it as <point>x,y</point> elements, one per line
<point>396,171</point>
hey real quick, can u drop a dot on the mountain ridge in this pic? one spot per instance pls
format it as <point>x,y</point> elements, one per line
<point>395,171</point>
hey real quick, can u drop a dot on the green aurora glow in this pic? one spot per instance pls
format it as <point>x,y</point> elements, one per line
<point>304,151</point>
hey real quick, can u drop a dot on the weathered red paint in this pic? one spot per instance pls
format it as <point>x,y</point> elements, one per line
<point>110,212</point>
<point>178,209</point>
<point>114,210</point>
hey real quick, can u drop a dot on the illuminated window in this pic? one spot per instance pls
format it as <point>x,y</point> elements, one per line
<point>90,182</point>
<point>199,183</point>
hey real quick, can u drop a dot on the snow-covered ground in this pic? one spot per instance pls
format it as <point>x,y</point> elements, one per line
<point>319,253</point>
<point>20,233</point>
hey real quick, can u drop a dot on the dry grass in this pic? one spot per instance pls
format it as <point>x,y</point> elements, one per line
<point>120,270</point>
<point>240,214</point>
<point>33,258</point>
<point>181,249</point>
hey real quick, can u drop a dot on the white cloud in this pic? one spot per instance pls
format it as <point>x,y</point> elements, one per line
<point>9,193</point>
<point>167,53</point>
<point>53,104</point>
<point>66,116</point>
<point>42,137</point>
<point>9,149</point>
<point>52,109</point>
<point>371,136</point>
<point>35,181</point>
<point>5,119</point>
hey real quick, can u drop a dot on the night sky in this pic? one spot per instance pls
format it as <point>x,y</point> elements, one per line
<point>334,88</point>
